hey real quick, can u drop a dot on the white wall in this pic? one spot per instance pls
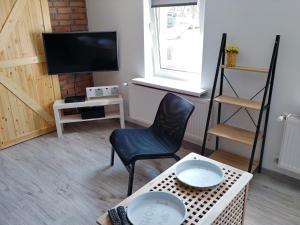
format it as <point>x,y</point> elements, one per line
<point>125,17</point>
<point>250,24</point>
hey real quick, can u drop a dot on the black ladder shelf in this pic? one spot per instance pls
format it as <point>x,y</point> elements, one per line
<point>222,130</point>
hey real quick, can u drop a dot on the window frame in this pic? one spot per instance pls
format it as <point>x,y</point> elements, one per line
<point>169,73</point>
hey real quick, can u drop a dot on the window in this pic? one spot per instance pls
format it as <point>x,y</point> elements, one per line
<point>177,41</point>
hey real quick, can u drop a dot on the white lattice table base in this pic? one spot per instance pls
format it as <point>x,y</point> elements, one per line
<point>234,213</point>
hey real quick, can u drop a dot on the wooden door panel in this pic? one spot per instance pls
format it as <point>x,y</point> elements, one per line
<point>37,88</point>
<point>15,11</point>
<point>7,123</point>
<point>5,9</point>
<point>21,61</point>
<point>27,91</point>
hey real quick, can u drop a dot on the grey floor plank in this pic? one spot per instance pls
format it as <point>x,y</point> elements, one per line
<point>69,181</point>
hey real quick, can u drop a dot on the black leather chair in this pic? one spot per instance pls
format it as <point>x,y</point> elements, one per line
<point>162,140</point>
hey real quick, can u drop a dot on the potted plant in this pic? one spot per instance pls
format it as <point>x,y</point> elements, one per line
<point>232,52</point>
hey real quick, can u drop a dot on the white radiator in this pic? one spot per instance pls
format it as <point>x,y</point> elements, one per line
<point>144,102</point>
<point>289,158</point>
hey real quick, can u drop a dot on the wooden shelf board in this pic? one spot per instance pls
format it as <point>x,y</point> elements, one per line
<point>233,133</point>
<point>60,104</point>
<point>233,160</point>
<point>247,68</point>
<point>77,118</point>
<point>245,103</point>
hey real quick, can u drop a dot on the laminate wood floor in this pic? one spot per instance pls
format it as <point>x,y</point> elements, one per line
<point>51,181</point>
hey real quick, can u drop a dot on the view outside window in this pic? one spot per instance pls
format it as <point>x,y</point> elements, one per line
<point>179,42</point>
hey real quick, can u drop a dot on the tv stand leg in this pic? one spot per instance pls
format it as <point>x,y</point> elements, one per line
<point>59,126</point>
<point>122,120</point>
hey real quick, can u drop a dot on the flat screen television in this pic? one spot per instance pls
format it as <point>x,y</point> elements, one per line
<point>77,52</point>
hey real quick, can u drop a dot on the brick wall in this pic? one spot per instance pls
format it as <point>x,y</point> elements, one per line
<point>70,15</point>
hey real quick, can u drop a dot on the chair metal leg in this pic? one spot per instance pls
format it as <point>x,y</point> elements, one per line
<point>130,181</point>
<point>112,156</point>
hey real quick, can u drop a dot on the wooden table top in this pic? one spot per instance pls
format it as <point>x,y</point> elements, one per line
<point>207,205</point>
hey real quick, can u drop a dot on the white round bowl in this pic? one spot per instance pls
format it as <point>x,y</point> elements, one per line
<point>159,208</point>
<point>199,174</point>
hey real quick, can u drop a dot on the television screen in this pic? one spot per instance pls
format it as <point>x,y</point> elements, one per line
<point>81,52</point>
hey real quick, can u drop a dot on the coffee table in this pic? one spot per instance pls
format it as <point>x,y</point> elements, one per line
<point>223,205</point>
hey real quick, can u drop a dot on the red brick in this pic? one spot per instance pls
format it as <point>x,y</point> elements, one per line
<point>61,3</point>
<point>61,29</point>
<point>70,92</point>
<point>80,22</point>
<point>64,10</point>
<point>53,11</point>
<point>65,76</point>
<point>78,16</point>
<point>66,22</point>
<point>82,92</point>
<point>77,3</point>
<point>69,85</point>
<point>54,22</point>
<point>62,16</point>
<point>83,84</point>
<point>83,77</point>
<point>79,28</point>
<point>79,10</point>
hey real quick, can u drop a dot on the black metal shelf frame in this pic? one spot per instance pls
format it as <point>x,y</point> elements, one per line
<point>265,106</point>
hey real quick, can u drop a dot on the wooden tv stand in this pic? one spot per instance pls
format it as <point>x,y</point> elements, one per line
<point>61,119</point>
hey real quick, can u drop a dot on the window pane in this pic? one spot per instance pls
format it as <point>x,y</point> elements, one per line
<point>179,42</point>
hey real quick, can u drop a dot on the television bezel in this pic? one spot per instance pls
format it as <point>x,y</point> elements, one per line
<point>82,32</point>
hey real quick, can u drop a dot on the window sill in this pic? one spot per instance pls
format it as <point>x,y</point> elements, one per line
<point>182,87</point>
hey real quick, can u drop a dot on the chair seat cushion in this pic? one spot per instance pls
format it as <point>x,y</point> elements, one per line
<point>135,144</point>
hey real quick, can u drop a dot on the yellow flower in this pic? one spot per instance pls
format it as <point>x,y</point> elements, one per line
<point>232,48</point>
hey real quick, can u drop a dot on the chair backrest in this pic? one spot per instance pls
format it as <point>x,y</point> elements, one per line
<point>172,118</point>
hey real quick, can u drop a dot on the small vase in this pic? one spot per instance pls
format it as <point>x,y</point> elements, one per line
<point>231,59</point>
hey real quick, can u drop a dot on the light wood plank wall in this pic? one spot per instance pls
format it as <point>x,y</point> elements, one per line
<point>27,92</point>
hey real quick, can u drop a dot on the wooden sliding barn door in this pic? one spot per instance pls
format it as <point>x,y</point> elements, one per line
<point>26,91</point>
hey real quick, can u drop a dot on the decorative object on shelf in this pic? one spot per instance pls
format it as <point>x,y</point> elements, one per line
<point>232,52</point>
<point>102,91</point>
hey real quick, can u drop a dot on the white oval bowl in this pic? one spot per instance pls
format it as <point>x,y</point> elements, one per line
<point>159,208</point>
<point>199,174</point>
